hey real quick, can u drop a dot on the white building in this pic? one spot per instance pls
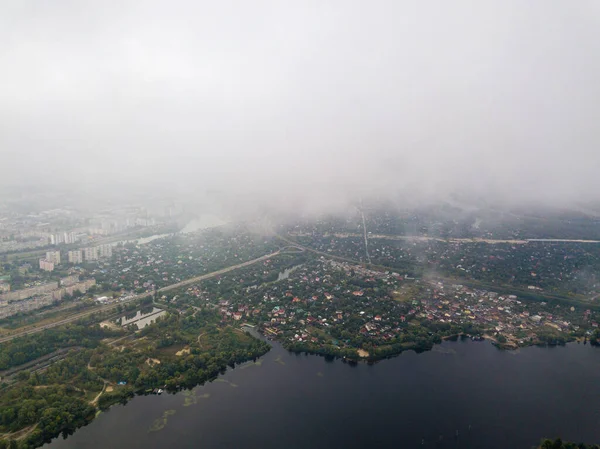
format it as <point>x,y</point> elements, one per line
<point>53,256</point>
<point>46,265</point>
<point>56,239</point>
<point>90,254</point>
<point>69,280</point>
<point>75,256</point>
<point>105,251</point>
<point>69,237</point>
<point>145,222</point>
<point>97,231</point>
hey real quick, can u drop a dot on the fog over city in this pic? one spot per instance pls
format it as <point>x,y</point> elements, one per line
<point>317,100</point>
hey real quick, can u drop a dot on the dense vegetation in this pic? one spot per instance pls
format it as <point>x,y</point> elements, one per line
<point>318,307</point>
<point>172,259</point>
<point>447,221</point>
<point>315,290</point>
<point>178,351</point>
<point>52,402</point>
<point>171,353</point>
<point>559,444</point>
<point>567,269</point>
<point>25,349</point>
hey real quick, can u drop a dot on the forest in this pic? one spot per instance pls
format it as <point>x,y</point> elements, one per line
<point>559,444</point>
<point>177,352</point>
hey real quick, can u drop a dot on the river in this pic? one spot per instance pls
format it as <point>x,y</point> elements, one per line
<point>204,221</point>
<point>494,399</point>
<point>141,318</point>
<point>283,275</point>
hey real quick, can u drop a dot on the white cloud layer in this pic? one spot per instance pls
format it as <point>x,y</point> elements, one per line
<point>316,98</point>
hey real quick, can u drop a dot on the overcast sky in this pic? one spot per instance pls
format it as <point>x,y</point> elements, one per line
<point>498,97</point>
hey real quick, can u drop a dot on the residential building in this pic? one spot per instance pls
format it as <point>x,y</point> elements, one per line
<point>56,239</point>
<point>75,256</point>
<point>97,231</point>
<point>90,254</point>
<point>46,265</point>
<point>145,222</point>
<point>25,306</point>
<point>53,256</point>
<point>29,292</point>
<point>105,251</point>
<point>69,280</point>
<point>81,287</point>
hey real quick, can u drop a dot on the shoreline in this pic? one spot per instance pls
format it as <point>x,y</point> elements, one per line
<point>131,393</point>
<point>374,358</point>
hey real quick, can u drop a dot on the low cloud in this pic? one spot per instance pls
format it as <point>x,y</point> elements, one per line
<point>312,103</point>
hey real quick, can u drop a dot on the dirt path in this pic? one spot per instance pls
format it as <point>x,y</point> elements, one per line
<point>94,401</point>
<point>19,434</point>
<point>111,343</point>
<point>106,385</point>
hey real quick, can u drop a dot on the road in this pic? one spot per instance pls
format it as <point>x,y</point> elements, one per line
<point>136,297</point>
<point>328,255</point>
<point>472,283</point>
<point>217,273</point>
<point>459,240</point>
<point>365,235</point>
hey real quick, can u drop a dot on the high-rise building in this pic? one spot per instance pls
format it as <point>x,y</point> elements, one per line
<point>145,222</point>
<point>69,237</point>
<point>56,239</point>
<point>75,256</point>
<point>46,265</point>
<point>53,256</point>
<point>25,293</point>
<point>69,280</point>
<point>90,254</point>
<point>105,251</point>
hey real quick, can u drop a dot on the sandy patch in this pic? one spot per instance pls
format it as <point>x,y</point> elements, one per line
<point>109,325</point>
<point>183,352</point>
<point>151,362</point>
<point>109,389</point>
<point>362,353</point>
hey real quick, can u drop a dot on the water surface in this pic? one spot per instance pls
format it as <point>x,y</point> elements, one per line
<point>286,273</point>
<point>205,221</point>
<point>494,399</point>
<point>141,318</point>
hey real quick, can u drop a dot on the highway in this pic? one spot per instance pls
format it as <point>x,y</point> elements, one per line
<point>136,297</point>
<point>294,244</point>
<point>457,239</point>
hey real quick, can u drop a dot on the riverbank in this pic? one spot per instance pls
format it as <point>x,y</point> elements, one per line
<point>495,399</point>
<point>68,394</point>
<point>386,352</point>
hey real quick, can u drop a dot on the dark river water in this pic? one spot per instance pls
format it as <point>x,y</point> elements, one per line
<point>494,399</point>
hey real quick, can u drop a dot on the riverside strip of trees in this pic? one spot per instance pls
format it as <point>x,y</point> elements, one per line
<point>177,352</point>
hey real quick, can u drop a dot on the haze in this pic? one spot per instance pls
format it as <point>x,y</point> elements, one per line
<point>316,100</point>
